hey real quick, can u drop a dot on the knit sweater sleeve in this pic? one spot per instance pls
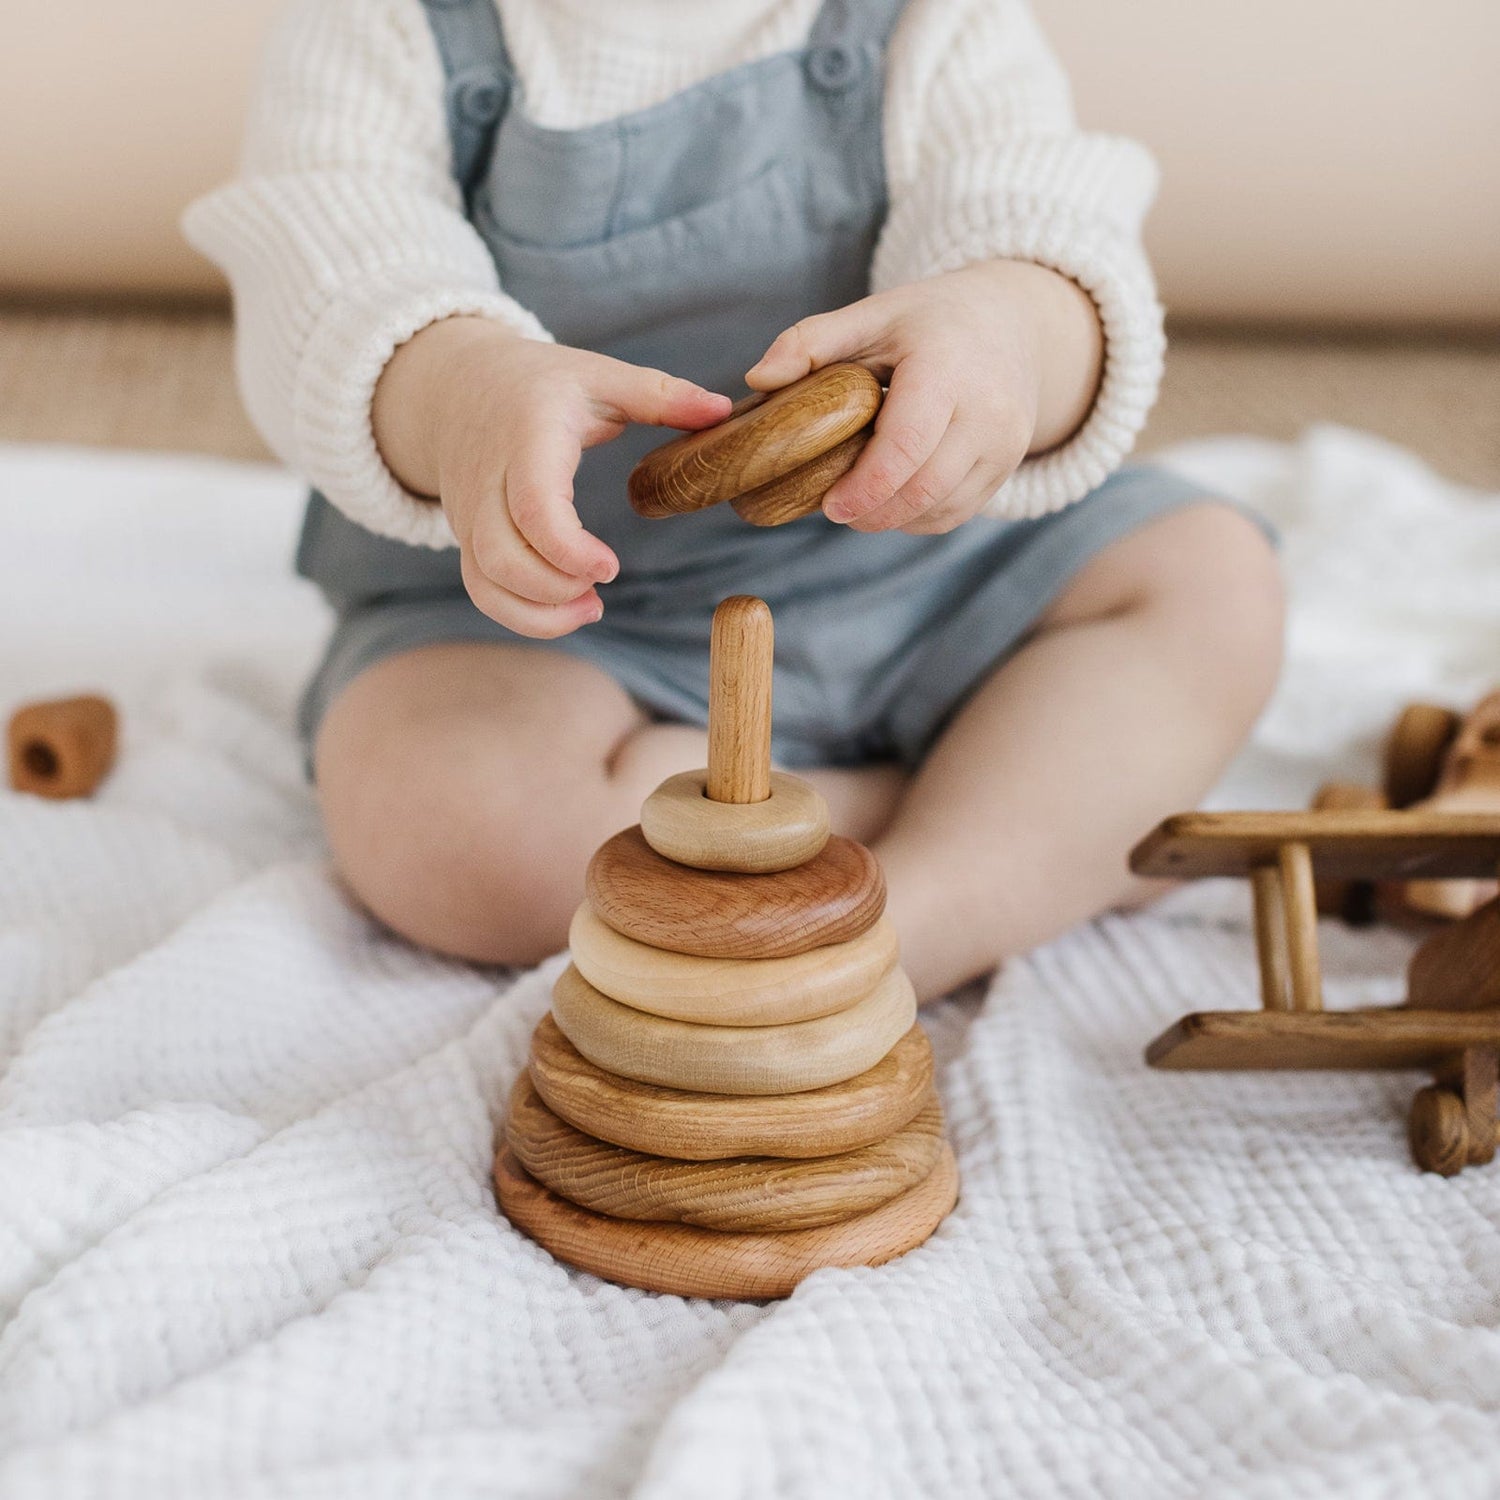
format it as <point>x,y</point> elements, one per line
<point>985,161</point>
<point>343,237</point>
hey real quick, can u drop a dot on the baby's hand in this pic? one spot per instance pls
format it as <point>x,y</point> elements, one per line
<point>985,365</point>
<point>493,425</point>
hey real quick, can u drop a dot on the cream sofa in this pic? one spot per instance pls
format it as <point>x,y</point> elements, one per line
<point>1336,160</point>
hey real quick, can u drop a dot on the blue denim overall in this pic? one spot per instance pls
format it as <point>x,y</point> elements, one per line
<point>686,236</point>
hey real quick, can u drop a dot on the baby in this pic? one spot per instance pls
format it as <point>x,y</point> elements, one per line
<point>481,254</point>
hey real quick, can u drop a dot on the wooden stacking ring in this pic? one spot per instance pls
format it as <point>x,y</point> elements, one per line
<point>685,1261</point>
<point>691,1126</point>
<point>733,1059</point>
<point>63,748</point>
<point>682,822</point>
<point>801,492</point>
<point>740,1193</point>
<point>730,991</point>
<point>764,438</point>
<point>835,896</point>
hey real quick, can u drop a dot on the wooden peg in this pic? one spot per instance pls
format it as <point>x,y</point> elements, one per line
<point>62,749</point>
<point>739,701</point>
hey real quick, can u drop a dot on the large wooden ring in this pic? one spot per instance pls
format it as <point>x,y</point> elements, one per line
<point>801,492</point>
<point>685,1261</point>
<point>733,1059</point>
<point>730,991</point>
<point>835,896</point>
<point>690,1126</point>
<point>682,822</point>
<point>739,1193</point>
<point>763,439</point>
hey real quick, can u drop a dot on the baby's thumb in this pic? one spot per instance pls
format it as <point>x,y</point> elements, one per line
<point>813,343</point>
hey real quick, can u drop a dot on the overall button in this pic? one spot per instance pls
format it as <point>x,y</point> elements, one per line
<point>833,68</point>
<point>480,97</point>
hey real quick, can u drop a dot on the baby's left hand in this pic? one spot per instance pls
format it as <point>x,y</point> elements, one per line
<point>985,365</point>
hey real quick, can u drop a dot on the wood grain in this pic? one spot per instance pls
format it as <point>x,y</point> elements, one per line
<point>730,991</point>
<point>733,1059</point>
<point>801,492</point>
<point>763,438</point>
<point>736,1193</point>
<point>1348,845</point>
<point>1458,967</point>
<point>1270,937</point>
<point>693,1126</point>
<point>835,896</point>
<point>1414,751</point>
<point>685,1261</point>
<point>1300,914</point>
<point>786,829</point>
<point>740,651</point>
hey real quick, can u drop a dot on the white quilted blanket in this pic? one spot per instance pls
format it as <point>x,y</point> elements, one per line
<point>248,1246</point>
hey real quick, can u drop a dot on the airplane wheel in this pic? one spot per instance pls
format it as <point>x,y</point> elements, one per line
<point>1439,1131</point>
<point>1415,750</point>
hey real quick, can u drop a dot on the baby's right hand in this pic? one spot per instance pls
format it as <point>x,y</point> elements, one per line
<point>493,426</point>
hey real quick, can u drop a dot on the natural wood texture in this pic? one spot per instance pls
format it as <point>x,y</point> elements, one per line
<point>835,896</point>
<point>740,652</point>
<point>1346,845</point>
<point>1352,901</point>
<point>1354,1039</point>
<point>63,748</point>
<point>1414,752</point>
<point>1438,1130</point>
<point>733,1059</point>
<point>801,492</point>
<point>1453,1123</point>
<point>1270,937</point>
<point>786,829</point>
<point>1300,909</point>
<point>736,1193</point>
<point>1458,967</point>
<point>690,1262</point>
<point>693,1126</point>
<point>730,991</point>
<point>763,438</point>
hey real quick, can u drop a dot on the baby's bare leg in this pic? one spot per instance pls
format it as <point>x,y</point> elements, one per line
<point>1126,704</point>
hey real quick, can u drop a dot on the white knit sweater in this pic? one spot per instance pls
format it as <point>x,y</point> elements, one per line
<point>344,234</point>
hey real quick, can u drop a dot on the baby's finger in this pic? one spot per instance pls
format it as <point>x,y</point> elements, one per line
<point>538,485</point>
<point>823,339</point>
<point>908,429</point>
<point>928,489</point>
<point>507,559</point>
<point>962,505</point>
<point>542,622</point>
<point>635,393</point>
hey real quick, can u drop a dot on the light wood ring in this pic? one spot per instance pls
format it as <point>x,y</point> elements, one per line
<point>738,1193</point>
<point>690,1126</point>
<point>730,991</point>
<point>683,823</point>
<point>762,439</point>
<point>733,1059</point>
<point>685,1261</point>
<point>833,897</point>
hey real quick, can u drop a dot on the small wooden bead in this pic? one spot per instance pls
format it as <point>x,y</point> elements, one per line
<point>835,896</point>
<point>733,1059</point>
<point>739,1193</point>
<point>763,438</point>
<point>63,748</point>
<point>692,1126</point>
<point>683,823</point>
<point>685,1261</point>
<point>801,492</point>
<point>730,991</point>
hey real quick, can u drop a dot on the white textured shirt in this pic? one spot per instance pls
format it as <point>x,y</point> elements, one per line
<point>344,234</point>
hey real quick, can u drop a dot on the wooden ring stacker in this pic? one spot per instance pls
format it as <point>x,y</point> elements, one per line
<point>774,456</point>
<point>734,1059</point>
<point>62,749</point>
<point>737,1193</point>
<point>730,991</point>
<point>685,1261</point>
<point>691,1126</point>
<point>781,831</point>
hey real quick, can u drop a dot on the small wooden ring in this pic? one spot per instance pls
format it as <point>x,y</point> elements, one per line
<point>764,438</point>
<point>733,1059</point>
<point>738,1193</point>
<point>685,1261</point>
<point>682,822</point>
<point>63,748</point>
<point>691,1126</point>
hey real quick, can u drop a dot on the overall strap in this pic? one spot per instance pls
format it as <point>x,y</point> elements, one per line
<point>478,71</point>
<point>850,23</point>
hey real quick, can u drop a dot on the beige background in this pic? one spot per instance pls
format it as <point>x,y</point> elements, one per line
<point>1325,159</point>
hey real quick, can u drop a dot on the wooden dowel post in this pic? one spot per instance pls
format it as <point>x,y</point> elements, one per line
<point>1300,906</point>
<point>1270,938</point>
<point>739,701</point>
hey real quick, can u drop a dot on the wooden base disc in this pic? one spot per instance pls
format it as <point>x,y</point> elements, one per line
<point>730,991</point>
<point>690,1126</point>
<point>740,1193</point>
<point>833,897</point>
<point>734,1059</point>
<point>689,1262</point>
